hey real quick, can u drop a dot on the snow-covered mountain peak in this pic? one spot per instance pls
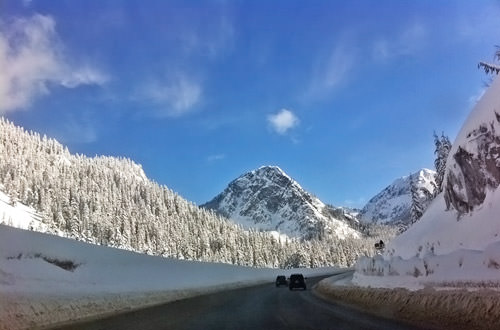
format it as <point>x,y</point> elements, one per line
<point>274,176</point>
<point>270,169</point>
<point>393,204</point>
<point>269,199</point>
<point>269,173</point>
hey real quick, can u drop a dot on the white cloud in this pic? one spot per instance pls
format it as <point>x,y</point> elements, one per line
<point>32,58</point>
<point>407,42</point>
<point>84,76</point>
<point>283,121</point>
<point>173,98</point>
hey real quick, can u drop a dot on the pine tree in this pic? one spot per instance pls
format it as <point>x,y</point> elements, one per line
<point>493,68</point>
<point>416,204</point>
<point>443,147</point>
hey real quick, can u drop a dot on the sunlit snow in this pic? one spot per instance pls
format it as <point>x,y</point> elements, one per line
<point>45,279</point>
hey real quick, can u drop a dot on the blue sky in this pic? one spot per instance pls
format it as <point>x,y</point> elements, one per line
<point>343,96</point>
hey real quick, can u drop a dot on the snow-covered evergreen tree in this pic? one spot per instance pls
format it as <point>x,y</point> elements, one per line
<point>488,67</point>
<point>443,147</point>
<point>416,204</point>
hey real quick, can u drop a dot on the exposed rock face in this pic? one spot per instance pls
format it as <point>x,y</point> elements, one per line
<point>475,168</point>
<point>268,199</point>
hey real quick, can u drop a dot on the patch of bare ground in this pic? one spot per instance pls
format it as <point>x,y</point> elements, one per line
<point>444,309</point>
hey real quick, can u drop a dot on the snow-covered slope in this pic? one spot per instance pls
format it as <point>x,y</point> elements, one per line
<point>18,215</point>
<point>268,199</point>
<point>393,204</point>
<point>467,214</point>
<point>458,237</point>
<point>46,279</point>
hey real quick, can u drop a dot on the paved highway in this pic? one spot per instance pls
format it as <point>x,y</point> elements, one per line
<point>259,307</point>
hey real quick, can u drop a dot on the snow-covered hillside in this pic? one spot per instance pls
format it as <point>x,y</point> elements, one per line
<point>268,199</point>
<point>46,279</point>
<point>458,237</point>
<point>393,204</point>
<point>110,201</point>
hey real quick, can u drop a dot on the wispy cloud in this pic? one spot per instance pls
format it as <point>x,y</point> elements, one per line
<point>215,158</point>
<point>85,75</point>
<point>32,58</point>
<point>172,98</point>
<point>283,121</point>
<point>405,42</point>
<point>211,38</point>
<point>332,70</point>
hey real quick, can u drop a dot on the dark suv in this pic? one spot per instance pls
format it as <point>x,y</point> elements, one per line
<point>281,280</point>
<point>297,281</point>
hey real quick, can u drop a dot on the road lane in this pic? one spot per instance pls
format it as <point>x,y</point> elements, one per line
<point>259,307</point>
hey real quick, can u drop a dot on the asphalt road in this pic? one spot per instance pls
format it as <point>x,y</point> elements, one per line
<point>259,307</point>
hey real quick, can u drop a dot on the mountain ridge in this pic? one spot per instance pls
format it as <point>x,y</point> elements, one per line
<point>267,198</point>
<point>393,204</point>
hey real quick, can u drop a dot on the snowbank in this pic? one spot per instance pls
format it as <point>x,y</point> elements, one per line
<point>460,268</point>
<point>47,279</point>
<point>428,308</point>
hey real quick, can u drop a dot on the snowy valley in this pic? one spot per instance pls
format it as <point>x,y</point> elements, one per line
<point>42,273</point>
<point>249,165</point>
<point>53,204</point>
<point>263,221</point>
<point>110,201</point>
